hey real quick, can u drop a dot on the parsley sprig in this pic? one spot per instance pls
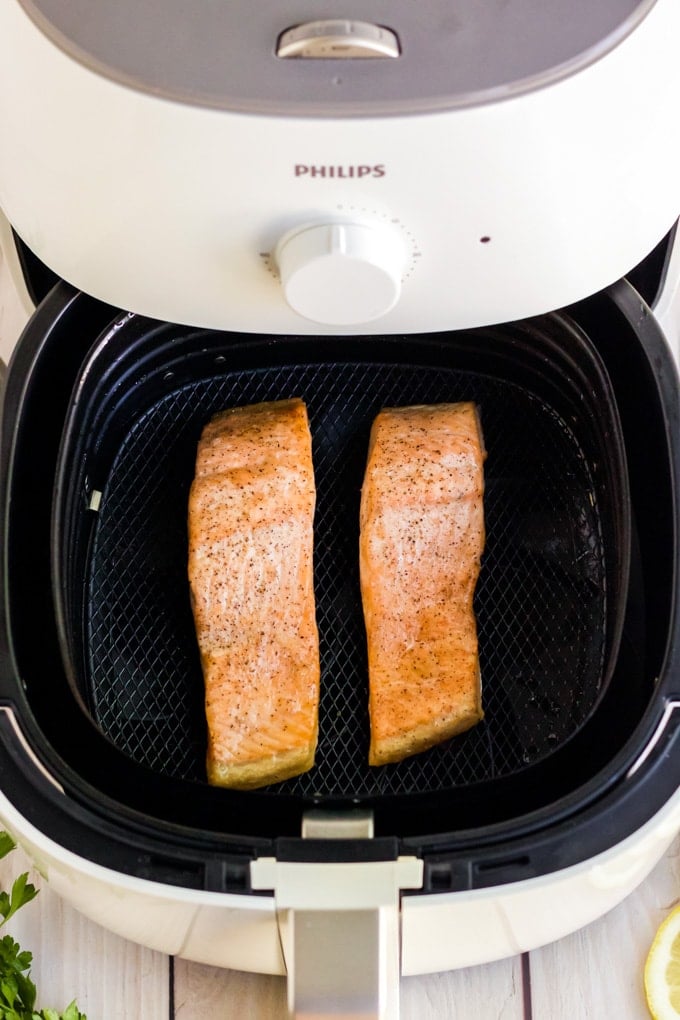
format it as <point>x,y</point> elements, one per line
<point>17,991</point>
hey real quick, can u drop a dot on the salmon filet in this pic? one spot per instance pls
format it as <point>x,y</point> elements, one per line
<point>421,540</point>
<point>251,510</point>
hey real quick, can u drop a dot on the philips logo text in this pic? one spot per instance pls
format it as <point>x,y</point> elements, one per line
<point>324,170</point>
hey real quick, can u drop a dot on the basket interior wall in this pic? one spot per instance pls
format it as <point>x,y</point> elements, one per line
<point>543,602</point>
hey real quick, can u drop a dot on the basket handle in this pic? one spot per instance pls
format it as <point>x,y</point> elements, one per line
<point>340,932</point>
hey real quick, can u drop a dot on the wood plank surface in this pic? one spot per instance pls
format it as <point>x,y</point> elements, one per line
<point>494,991</point>
<point>202,991</point>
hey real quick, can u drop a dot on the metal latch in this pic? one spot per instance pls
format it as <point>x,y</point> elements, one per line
<point>339,922</point>
<point>335,39</point>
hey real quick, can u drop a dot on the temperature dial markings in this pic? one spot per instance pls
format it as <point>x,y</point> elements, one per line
<point>414,252</point>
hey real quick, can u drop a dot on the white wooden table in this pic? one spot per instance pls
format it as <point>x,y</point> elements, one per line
<point>595,973</point>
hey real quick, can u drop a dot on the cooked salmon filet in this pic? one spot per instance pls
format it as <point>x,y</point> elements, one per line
<point>421,541</point>
<point>251,511</point>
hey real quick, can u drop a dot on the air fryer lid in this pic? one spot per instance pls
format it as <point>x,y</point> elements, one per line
<point>568,790</point>
<point>214,56</point>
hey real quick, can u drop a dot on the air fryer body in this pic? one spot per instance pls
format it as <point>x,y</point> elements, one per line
<point>440,931</point>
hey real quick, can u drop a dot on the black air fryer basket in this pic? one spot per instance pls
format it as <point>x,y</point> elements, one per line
<point>552,591</point>
<point>575,604</point>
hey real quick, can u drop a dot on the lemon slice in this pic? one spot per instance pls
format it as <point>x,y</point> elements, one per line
<point>662,970</point>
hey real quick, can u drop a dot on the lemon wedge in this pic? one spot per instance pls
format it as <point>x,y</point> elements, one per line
<point>662,970</point>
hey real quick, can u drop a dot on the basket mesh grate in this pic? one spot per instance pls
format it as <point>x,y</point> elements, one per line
<point>540,601</point>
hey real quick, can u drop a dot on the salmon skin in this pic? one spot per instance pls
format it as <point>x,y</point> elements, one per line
<point>251,510</point>
<point>421,540</point>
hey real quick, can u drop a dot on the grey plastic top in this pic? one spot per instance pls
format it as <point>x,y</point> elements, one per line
<point>222,53</point>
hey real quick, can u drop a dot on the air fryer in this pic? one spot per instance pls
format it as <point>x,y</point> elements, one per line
<point>194,243</point>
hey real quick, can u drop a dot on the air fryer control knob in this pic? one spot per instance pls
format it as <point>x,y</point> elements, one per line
<point>341,273</point>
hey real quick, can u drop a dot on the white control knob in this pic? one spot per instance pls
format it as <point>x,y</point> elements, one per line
<point>341,274</point>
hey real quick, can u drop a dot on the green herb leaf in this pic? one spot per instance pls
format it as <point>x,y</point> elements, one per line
<point>12,959</point>
<point>73,1013</point>
<point>22,892</point>
<point>6,844</point>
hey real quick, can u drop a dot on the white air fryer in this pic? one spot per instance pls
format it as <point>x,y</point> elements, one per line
<point>363,206</point>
